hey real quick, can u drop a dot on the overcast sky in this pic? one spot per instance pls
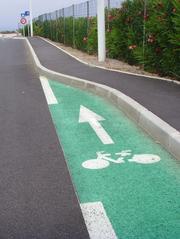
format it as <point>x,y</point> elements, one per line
<point>10,10</point>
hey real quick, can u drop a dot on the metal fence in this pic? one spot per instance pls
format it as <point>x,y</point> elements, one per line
<point>143,32</point>
<point>85,9</point>
<point>65,20</point>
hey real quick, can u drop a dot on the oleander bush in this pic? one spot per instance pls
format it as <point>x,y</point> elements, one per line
<point>158,50</point>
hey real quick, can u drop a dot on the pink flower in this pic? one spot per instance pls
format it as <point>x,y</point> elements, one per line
<point>151,39</point>
<point>85,39</point>
<point>110,17</point>
<point>132,47</point>
<point>146,17</point>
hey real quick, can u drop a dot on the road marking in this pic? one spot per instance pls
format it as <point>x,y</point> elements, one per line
<point>97,221</point>
<point>92,118</point>
<point>135,168</point>
<point>50,97</point>
<point>103,159</point>
<point>145,158</point>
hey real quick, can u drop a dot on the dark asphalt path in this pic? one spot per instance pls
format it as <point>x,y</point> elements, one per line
<point>37,199</point>
<point>160,97</point>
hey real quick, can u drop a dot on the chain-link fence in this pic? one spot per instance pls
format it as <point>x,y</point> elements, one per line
<point>143,32</point>
<point>72,25</point>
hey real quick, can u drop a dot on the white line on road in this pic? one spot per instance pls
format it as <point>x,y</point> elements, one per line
<point>97,221</point>
<point>50,97</point>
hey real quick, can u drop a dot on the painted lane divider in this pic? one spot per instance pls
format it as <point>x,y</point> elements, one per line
<point>92,118</point>
<point>50,97</point>
<point>97,221</point>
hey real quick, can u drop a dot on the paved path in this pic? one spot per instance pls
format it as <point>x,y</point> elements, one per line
<point>116,166</point>
<point>162,98</point>
<point>37,199</point>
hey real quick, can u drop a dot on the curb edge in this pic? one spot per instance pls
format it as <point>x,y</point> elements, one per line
<point>111,69</point>
<point>158,129</point>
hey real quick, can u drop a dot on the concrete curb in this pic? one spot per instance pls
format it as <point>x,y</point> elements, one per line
<point>159,130</point>
<point>110,69</point>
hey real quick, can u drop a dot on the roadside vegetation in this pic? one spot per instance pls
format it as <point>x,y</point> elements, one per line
<point>150,38</point>
<point>7,32</point>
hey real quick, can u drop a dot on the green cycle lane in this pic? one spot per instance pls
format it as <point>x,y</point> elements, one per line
<point>135,178</point>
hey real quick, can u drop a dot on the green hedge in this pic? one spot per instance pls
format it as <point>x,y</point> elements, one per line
<point>124,34</point>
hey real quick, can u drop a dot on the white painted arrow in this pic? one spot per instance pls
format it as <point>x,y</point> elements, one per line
<point>92,118</point>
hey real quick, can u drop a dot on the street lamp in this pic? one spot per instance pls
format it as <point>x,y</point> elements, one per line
<point>31,17</point>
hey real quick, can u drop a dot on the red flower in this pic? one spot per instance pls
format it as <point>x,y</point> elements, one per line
<point>85,39</point>
<point>151,39</point>
<point>146,17</point>
<point>110,17</point>
<point>132,47</point>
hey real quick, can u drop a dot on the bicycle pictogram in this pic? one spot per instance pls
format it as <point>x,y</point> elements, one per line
<point>104,160</point>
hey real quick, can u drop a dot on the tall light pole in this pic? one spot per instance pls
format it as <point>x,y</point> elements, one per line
<point>101,30</point>
<point>31,17</point>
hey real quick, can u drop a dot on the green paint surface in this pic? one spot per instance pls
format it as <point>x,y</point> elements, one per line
<point>142,201</point>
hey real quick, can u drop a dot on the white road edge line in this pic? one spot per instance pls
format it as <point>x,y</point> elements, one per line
<point>50,97</point>
<point>97,221</point>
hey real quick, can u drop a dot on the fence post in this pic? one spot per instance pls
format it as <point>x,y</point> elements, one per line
<point>144,31</point>
<point>28,29</point>
<point>57,25</point>
<point>23,31</point>
<point>109,6</point>
<point>88,23</point>
<point>101,30</point>
<point>88,14</point>
<point>51,33</point>
<point>73,26</point>
<point>64,25</point>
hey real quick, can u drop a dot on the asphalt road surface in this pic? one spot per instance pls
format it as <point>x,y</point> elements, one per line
<point>37,199</point>
<point>160,97</point>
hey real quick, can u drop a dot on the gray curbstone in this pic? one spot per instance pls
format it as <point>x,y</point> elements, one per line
<point>174,144</point>
<point>158,129</point>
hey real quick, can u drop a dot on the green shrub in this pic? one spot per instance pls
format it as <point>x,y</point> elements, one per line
<point>80,37</point>
<point>157,51</point>
<point>92,43</point>
<point>161,53</point>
